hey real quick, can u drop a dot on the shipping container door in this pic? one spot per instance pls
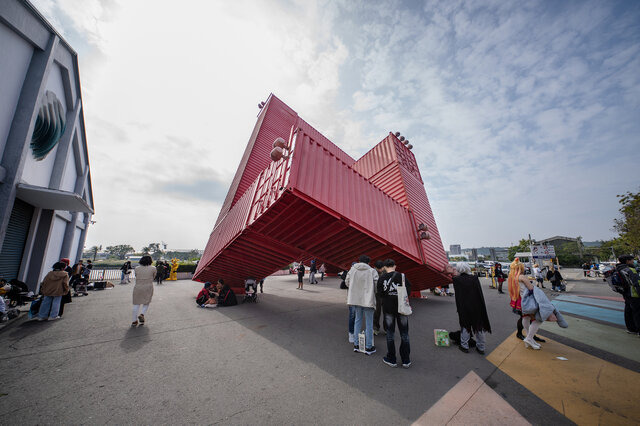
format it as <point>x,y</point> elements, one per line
<point>15,239</point>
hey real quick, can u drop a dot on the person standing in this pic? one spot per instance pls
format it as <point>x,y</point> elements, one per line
<point>361,280</point>
<point>159,271</point>
<point>631,293</point>
<point>388,290</point>
<point>379,265</point>
<point>143,289</point>
<point>300,275</point>
<point>472,311</point>
<point>66,298</point>
<point>126,271</point>
<point>515,270</point>
<point>322,269</point>
<point>312,272</point>
<point>499,276</point>
<point>53,287</point>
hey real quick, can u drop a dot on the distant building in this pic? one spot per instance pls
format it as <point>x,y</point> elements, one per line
<point>455,250</point>
<point>46,200</point>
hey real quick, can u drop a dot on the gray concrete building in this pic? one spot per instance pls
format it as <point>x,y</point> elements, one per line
<point>46,200</point>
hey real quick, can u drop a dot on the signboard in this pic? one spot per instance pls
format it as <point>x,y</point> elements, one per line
<point>543,252</point>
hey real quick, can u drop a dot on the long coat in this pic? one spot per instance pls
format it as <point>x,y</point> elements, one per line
<point>472,312</point>
<point>143,290</point>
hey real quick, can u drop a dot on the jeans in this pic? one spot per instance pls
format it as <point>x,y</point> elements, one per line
<point>352,318</point>
<point>312,278</point>
<point>368,327</point>
<point>390,321</point>
<point>50,306</point>
<point>464,339</point>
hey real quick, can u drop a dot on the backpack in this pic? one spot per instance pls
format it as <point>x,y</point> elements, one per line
<point>615,280</point>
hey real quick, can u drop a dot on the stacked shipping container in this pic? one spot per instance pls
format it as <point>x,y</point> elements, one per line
<point>321,203</point>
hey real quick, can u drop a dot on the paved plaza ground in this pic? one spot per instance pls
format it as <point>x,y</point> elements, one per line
<point>286,360</point>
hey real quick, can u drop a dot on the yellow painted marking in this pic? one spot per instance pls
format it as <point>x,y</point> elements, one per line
<point>586,389</point>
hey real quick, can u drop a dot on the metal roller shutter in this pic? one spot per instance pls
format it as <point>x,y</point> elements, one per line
<point>15,239</point>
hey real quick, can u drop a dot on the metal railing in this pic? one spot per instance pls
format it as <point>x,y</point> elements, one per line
<point>116,274</point>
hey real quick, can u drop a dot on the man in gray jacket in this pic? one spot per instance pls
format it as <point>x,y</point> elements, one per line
<point>361,281</point>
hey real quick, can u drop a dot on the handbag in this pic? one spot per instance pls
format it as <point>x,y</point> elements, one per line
<point>404,308</point>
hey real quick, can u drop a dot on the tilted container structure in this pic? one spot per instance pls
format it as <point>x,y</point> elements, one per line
<point>318,202</point>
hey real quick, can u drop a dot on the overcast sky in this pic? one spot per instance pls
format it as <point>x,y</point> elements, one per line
<point>524,116</point>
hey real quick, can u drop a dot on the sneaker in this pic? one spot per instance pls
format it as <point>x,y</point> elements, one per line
<point>201,306</point>
<point>350,337</point>
<point>480,351</point>
<point>356,348</point>
<point>389,363</point>
<point>376,331</point>
<point>406,364</point>
<point>465,350</point>
<point>537,339</point>
<point>370,350</point>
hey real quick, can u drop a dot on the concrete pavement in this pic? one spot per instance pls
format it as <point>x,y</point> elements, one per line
<point>285,360</point>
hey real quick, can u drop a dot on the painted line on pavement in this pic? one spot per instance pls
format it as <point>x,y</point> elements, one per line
<point>585,389</point>
<point>609,304</point>
<point>601,336</point>
<point>602,314</point>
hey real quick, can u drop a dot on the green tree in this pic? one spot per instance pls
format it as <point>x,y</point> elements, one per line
<point>628,225</point>
<point>523,245</point>
<point>569,254</point>
<point>119,251</point>
<point>94,251</point>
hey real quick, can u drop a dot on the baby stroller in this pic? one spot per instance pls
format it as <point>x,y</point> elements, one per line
<point>250,291</point>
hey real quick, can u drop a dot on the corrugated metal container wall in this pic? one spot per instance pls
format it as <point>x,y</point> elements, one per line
<point>332,184</point>
<point>378,157</point>
<point>326,143</point>
<point>275,120</point>
<point>419,204</point>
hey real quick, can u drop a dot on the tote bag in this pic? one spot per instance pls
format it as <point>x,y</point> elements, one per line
<point>403,300</point>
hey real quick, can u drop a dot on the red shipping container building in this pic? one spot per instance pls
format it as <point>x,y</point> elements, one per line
<point>319,203</point>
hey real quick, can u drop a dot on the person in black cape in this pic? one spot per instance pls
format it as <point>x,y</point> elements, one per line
<point>472,312</point>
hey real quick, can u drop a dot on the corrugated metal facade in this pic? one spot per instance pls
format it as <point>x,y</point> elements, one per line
<point>320,203</point>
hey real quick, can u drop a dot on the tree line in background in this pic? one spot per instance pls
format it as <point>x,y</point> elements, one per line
<point>154,250</point>
<point>627,242</point>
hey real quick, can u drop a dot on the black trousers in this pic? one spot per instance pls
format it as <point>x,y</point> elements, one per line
<point>377,313</point>
<point>632,313</point>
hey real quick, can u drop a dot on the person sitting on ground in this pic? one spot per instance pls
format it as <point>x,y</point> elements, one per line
<point>361,281</point>
<point>205,299</point>
<point>472,311</point>
<point>388,290</point>
<point>224,295</point>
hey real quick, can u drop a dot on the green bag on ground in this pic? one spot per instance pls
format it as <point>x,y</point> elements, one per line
<point>441,337</point>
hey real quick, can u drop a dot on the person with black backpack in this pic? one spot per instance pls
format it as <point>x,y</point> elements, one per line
<point>630,287</point>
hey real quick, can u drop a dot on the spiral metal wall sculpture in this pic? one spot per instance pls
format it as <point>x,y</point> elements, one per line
<point>50,125</point>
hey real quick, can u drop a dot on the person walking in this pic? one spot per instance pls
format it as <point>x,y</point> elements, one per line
<point>521,284</point>
<point>388,290</point>
<point>53,287</point>
<point>361,280</point>
<point>379,265</point>
<point>143,289</point>
<point>300,275</point>
<point>312,272</point>
<point>537,274</point>
<point>472,311</point>
<point>322,269</point>
<point>631,293</point>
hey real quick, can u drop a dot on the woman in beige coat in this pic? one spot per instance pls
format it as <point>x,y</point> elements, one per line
<point>143,290</point>
<point>54,286</point>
